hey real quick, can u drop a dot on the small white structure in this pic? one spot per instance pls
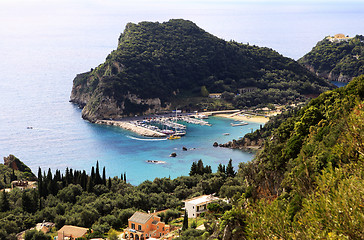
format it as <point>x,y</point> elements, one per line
<point>215,95</point>
<point>197,205</point>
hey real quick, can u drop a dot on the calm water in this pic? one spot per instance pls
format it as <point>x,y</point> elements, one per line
<point>43,45</point>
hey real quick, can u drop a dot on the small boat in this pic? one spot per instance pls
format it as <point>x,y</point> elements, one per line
<point>225,134</point>
<point>173,137</point>
<point>173,154</point>
<point>167,131</point>
<point>179,133</point>
<point>239,124</point>
<point>155,161</point>
<point>29,127</point>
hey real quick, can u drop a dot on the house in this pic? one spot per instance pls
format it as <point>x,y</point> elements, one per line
<point>68,232</point>
<point>197,205</point>
<point>44,226</point>
<point>145,226</point>
<point>215,95</point>
<point>23,184</point>
<point>247,89</point>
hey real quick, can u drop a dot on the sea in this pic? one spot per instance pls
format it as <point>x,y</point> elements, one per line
<point>44,44</point>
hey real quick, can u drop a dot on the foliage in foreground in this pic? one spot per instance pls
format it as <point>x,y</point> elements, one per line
<point>308,181</point>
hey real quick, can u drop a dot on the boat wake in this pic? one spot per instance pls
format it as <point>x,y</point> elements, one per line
<point>147,139</point>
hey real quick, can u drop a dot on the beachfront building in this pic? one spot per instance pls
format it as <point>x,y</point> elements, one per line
<point>197,205</point>
<point>68,232</point>
<point>145,226</point>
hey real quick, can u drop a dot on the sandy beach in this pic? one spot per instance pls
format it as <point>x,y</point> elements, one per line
<point>245,118</point>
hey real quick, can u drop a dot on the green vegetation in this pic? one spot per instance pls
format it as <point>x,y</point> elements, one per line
<point>307,182</point>
<point>14,169</point>
<point>176,58</point>
<point>332,59</point>
<point>92,201</point>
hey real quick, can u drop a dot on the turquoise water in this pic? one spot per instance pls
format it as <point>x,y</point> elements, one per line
<point>339,84</point>
<point>133,151</point>
<point>44,44</point>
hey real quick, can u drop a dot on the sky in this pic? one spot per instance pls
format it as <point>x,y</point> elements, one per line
<point>240,20</point>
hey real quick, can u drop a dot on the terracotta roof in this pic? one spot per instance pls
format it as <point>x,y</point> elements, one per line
<point>140,217</point>
<point>68,230</point>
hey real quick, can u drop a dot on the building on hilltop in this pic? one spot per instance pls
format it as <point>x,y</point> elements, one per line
<point>197,205</point>
<point>145,226</point>
<point>68,232</point>
<point>338,38</point>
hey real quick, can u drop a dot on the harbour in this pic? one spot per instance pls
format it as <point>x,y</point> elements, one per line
<point>159,126</point>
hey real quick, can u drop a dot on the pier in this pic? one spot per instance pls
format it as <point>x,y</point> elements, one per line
<point>161,126</point>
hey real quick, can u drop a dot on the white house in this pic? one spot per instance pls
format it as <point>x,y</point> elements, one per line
<point>197,205</point>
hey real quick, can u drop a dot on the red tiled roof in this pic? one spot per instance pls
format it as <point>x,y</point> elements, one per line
<point>74,231</point>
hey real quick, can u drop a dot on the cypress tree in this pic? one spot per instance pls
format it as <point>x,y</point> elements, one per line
<point>98,177</point>
<point>45,184</point>
<point>121,177</point>
<point>40,182</point>
<point>71,179</point>
<point>40,203</point>
<point>83,181</point>
<point>200,168</point>
<point>193,170</point>
<point>13,176</point>
<point>109,183</point>
<point>230,169</point>
<point>124,176</point>
<point>103,176</point>
<point>4,203</point>
<point>26,202</point>
<point>185,222</point>
<point>220,169</point>
<point>93,174</point>
<point>67,176</point>
<point>90,185</point>
<point>34,201</point>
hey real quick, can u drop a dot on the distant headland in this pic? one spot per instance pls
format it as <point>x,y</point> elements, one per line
<point>159,67</point>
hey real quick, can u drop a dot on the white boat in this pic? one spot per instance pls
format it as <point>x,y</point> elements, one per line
<point>179,133</point>
<point>239,124</point>
<point>167,131</point>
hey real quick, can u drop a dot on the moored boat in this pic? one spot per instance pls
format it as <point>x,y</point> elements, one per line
<point>239,124</point>
<point>173,137</point>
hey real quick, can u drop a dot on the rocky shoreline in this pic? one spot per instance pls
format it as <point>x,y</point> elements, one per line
<point>131,127</point>
<point>243,144</point>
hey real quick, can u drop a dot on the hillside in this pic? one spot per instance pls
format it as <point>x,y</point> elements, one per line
<point>14,169</point>
<point>161,66</point>
<point>336,58</point>
<point>307,182</point>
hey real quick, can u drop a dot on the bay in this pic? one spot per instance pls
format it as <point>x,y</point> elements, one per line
<point>44,44</point>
